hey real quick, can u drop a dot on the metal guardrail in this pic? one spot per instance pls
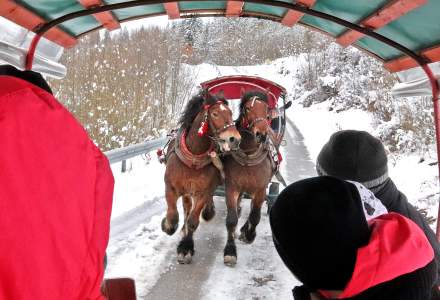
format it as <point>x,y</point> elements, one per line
<point>122,154</point>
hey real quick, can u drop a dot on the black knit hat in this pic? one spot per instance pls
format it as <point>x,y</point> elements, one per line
<point>29,76</point>
<point>354,155</point>
<point>317,226</point>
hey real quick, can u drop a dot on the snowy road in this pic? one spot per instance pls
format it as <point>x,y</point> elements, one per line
<point>139,249</point>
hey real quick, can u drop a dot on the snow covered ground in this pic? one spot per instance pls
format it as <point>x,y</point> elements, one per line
<point>137,250</point>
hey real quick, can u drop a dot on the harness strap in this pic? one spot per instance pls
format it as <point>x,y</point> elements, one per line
<point>224,128</point>
<point>253,159</point>
<point>257,120</point>
<point>191,160</point>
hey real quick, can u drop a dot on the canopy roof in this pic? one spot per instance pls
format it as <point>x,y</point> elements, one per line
<point>412,25</point>
<point>234,86</point>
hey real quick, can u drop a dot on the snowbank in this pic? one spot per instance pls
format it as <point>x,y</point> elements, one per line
<point>417,179</point>
<point>137,186</point>
<point>317,123</point>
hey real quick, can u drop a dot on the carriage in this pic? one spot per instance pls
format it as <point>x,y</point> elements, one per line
<point>233,87</point>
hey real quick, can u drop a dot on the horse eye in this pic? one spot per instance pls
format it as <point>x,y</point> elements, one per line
<point>214,114</point>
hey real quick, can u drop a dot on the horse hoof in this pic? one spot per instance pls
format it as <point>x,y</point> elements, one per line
<point>230,260</point>
<point>170,230</point>
<point>185,250</point>
<point>184,259</point>
<point>247,236</point>
<point>208,214</point>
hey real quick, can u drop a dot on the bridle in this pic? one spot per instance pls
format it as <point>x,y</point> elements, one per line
<point>249,125</point>
<point>207,123</point>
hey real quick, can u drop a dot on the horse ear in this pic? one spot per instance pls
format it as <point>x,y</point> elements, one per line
<point>205,95</point>
<point>242,92</point>
<point>221,94</point>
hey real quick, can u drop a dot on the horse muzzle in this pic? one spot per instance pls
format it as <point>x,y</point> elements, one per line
<point>230,142</point>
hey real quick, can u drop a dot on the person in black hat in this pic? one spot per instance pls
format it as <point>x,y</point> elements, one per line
<point>321,233</point>
<point>358,156</point>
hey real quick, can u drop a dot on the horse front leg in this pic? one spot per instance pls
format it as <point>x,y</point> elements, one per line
<point>208,212</point>
<point>187,206</point>
<point>171,222</point>
<point>248,230</point>
<point>240,197</point>
<point>185,249</point>
<point>230,251</point>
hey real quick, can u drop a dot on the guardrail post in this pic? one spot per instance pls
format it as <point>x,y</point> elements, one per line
<point>124,166</point>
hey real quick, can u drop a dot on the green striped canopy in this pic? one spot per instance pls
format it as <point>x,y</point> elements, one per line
<point>416,28</point>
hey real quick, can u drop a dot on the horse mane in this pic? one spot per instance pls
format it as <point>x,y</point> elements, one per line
<point>248,95</point>
<point>195,105</point>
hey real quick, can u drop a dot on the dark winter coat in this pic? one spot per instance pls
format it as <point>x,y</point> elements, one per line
<point>394,289</point>
<point>396,264</point>
<point>396,201</point>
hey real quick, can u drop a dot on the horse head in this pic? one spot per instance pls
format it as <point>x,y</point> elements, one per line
<point>218,122</point>
<point>254,114</point>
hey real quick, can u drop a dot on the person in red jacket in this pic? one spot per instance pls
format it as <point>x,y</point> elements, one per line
<point>56,191</point>
<point>321,232</point>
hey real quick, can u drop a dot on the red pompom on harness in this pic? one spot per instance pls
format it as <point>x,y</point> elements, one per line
<point>245,123</point>
<point>160,155</point>
<point>203,128</point>
<point>280,157</point>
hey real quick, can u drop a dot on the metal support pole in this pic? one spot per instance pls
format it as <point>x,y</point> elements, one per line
<point>124,166</point>
<point>435,102</point>
<point>437,135</point>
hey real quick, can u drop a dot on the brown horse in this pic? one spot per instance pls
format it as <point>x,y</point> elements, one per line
<point>206,129</point>
<point>249,170</point>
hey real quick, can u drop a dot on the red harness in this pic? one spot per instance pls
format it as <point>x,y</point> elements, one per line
<point>191,160</point>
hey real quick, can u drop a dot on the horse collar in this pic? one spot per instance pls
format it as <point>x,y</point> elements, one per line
<point>191,160</point>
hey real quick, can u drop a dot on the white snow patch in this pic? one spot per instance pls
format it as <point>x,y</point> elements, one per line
<point>143,182</point>
<point>317,123</point>
<point>259,273</point>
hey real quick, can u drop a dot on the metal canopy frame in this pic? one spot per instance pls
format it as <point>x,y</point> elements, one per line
<point>103,13</point>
